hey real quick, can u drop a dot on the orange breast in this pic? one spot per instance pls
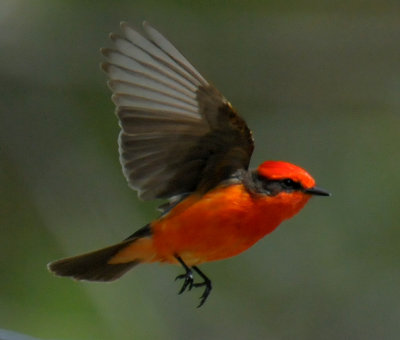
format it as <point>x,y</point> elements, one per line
<point>223,223</point>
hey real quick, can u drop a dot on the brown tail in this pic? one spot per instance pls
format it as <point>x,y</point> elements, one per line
<point>94,266</point>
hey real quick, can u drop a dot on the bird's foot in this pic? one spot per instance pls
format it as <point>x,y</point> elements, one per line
<point>189,283</point>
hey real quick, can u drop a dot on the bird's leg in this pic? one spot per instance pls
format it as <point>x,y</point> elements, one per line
<point>189,281</point>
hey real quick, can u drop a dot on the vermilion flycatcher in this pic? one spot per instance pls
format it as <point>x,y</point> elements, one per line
<point>181,140</point>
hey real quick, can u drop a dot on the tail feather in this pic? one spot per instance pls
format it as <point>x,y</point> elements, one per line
<point>94,266</point>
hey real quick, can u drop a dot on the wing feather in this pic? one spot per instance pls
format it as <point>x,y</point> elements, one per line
<point>158,54</point>
<point>128,53</point>
<point>150,92</point>
<point>131,67</point>
<point>178,133</point>
<point>155,104</point>
<point>135,78</point>
<point>158,39</point>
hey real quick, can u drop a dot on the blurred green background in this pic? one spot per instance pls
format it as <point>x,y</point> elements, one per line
<point>317,81</point>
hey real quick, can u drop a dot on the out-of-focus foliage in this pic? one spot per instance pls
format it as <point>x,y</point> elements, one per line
<point>317,81</point>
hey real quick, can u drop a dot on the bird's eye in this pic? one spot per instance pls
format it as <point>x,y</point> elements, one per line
<point>288,183</point>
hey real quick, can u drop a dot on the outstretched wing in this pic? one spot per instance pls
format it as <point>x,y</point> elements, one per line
<point>178,133</point>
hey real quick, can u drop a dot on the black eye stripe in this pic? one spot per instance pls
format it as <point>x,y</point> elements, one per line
<point>273,187</point>
<point>288,183</point>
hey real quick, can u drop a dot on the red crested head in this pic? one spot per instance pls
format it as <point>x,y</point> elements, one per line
<point>284,189</point>
<point>279,170</point>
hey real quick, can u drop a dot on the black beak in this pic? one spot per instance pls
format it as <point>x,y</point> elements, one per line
<point>317,192</point>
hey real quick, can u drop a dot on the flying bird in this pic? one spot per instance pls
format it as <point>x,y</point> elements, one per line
<point>182,141</point>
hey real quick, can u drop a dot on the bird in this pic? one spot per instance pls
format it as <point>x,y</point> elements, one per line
<point>182,141</point>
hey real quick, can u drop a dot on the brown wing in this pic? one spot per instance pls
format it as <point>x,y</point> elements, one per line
<point>178,133</point>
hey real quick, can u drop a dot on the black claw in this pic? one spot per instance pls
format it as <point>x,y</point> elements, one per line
<point>188,283</point>
<point>206,292</point>
<point>206,283</point>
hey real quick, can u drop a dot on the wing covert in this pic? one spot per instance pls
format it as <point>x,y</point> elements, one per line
<point>178,133</point>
